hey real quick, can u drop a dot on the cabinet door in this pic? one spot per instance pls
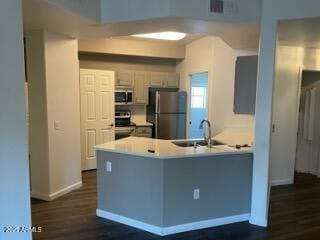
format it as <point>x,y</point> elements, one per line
<point>245,85</point>
<point>172,80</point>
<point>156,79</point>
<point>125,78</point>
<point>141,88</point>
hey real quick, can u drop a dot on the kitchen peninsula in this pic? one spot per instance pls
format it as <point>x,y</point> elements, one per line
<point>166,187</point>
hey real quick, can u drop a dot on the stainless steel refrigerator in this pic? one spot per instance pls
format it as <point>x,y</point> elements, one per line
<point>167,110</point>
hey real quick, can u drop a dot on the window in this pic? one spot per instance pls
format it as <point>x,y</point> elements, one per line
<point>198,97</point>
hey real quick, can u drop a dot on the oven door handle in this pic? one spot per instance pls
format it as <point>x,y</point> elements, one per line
<point>124,130</point>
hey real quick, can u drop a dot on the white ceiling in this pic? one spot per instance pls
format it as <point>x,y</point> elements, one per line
<point>39,14</point>
<point>300,32</point>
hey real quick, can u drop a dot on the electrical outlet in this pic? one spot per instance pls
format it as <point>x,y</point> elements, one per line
<point>196,194</point>
<point>109,166</point>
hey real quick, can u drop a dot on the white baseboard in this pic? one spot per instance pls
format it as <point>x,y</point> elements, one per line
<point>163,231</point>
<point>129,221</point>
<point>52,196</point>
<point>206,224</point>
<point>41,196</point>
<point>281,182</point>
<point>258,221</point>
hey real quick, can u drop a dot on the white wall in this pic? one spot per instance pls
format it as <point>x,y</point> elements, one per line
<point>285,114</point>
<point>38,123</point>
<point>119,11</point>
<point>63,105</point>
<point>289,61</point>
<point>133,47</point>
<point>223,88</point>
<point>199,58</point>
<point>311,59</point>
<point>128,10</point>
<point>121,63</point>
<point>272,12</point>
<point>53,76</point>
<point>86,8</point>
<point>213,55</point>
<point>248,10</point>
<point>14,166</point>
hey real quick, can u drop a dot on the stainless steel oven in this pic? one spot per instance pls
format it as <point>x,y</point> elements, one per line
<point>123,96</point>
<point>124,126</point>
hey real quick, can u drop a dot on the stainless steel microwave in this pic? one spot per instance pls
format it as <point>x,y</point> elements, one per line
<point>123,96</point>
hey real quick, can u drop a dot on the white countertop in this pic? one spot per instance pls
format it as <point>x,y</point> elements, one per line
<point>164,149</point>
<point>143,123</point>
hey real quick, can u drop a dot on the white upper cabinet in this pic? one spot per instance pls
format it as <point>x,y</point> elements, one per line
<point>171,80</point>
<point>156,79</point>
<point>245,85</point>
<point>125,78</point>
<point>141,87</point>
<point>141,81</point>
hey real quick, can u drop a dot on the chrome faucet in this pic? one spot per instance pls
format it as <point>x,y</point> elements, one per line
<point>207,139</point>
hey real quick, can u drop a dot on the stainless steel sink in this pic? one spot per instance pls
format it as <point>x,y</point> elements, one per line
<point>197,143</point>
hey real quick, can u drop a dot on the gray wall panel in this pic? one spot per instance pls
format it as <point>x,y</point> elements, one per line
<point>224,183</point>
<point>160,192</point>
<point>133,189</point>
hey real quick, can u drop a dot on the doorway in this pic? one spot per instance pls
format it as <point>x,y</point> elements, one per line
<point>97,113</point>
<point>308,140</point>
<point>198,93</point>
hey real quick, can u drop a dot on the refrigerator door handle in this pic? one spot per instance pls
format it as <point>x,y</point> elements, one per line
<point>158,107</point>
<point>156,127</point>
<point>157,115</point>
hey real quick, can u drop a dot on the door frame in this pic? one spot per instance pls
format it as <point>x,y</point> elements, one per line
<point>188,88</point>
<point>302,68</point>
<point>298,94</point>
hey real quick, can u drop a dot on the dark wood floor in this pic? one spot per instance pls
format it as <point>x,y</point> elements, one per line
<point>294,215</point>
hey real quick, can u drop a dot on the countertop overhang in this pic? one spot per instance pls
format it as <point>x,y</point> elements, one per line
<point>164,149</point>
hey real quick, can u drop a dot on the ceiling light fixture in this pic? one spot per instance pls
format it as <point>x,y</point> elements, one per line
<point>171,36</point>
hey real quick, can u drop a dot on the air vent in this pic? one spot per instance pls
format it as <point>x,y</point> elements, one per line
<point>216,6</point>
<point>224,6</point>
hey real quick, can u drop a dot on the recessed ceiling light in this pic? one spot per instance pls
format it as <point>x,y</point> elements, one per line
<point>171,36</point>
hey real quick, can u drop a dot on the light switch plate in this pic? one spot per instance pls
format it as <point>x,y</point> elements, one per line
<point>196,194</point>
<point>109,166</point>
<point>56,125</point>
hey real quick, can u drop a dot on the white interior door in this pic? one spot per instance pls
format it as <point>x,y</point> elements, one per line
<point>97,113</point>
